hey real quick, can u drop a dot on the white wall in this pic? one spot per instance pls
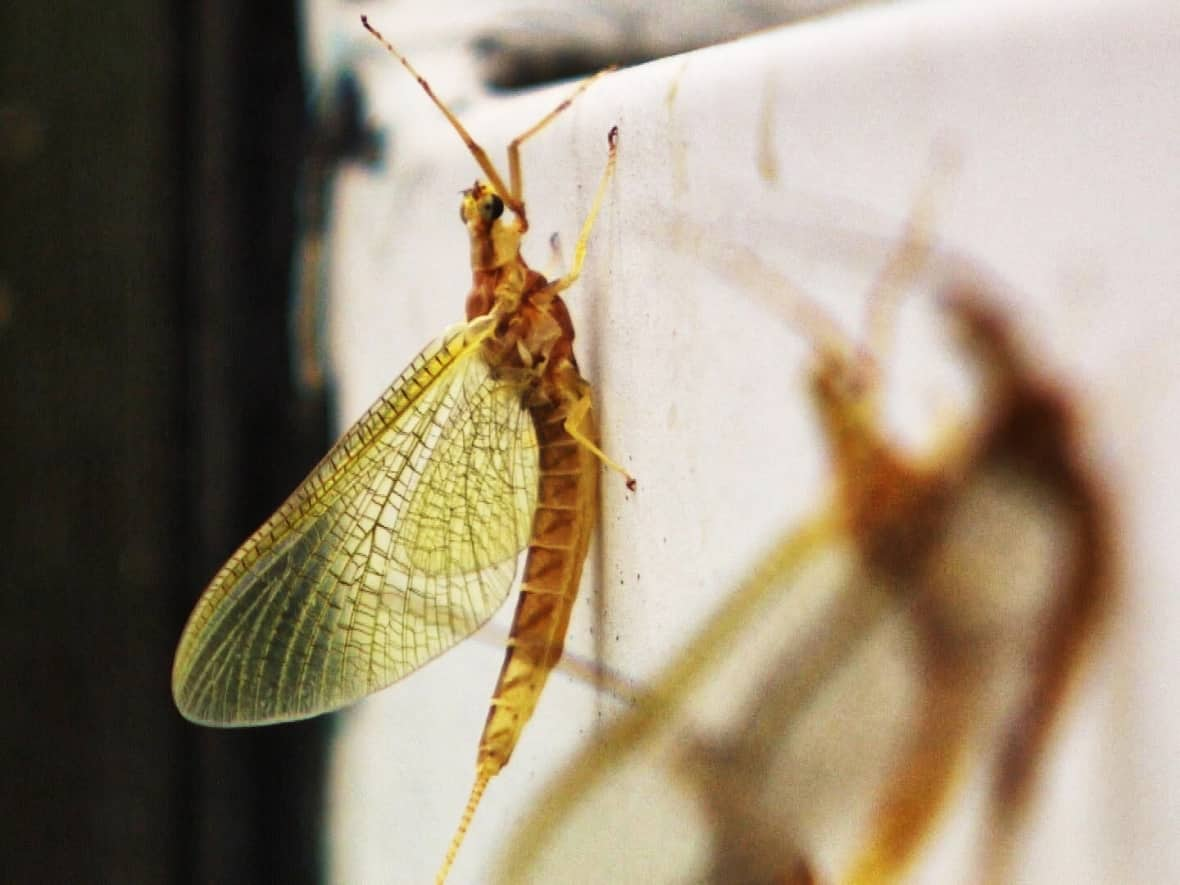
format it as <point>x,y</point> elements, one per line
<point>1065,118</point>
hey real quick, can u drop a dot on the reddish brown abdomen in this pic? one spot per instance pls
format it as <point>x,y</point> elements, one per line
<point>567,503</point>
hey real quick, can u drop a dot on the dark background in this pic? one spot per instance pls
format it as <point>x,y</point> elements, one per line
<point>149,155</point>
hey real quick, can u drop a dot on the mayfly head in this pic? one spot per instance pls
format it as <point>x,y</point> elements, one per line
<point>495,241</point>
<point>481,207</point>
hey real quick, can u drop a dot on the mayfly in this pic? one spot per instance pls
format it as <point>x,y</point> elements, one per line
<point>815,727</point>
<point>405,538</point>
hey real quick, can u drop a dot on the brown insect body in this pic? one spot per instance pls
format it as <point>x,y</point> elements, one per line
<point>529,342</point>
<point>562,525</point>
<point>532,339</point>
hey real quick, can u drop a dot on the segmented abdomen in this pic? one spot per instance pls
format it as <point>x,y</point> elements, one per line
<point>567,503</point>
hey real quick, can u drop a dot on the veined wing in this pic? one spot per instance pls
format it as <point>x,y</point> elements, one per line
<point>403,540</point>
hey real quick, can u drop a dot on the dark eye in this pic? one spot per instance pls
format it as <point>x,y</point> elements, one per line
<point>491,208</point>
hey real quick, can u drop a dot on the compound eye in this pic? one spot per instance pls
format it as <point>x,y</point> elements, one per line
<point>491,208</point>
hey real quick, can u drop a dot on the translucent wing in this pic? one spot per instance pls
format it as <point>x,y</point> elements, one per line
<point>402,541</point>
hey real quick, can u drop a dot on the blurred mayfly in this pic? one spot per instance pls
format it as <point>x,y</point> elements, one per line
<point>815,728</point>
<point>405,538</point>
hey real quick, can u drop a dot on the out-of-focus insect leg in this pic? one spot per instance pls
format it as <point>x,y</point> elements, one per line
<point>907,260</point>
<point>1026,740</point>
<point>920,784</point>
<point>1079,610</point>
<point>584,236</point>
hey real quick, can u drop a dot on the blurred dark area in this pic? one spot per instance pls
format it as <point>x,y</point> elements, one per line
<point>149,156</point>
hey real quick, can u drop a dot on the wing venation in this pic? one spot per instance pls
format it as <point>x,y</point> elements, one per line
<point>402,541</point>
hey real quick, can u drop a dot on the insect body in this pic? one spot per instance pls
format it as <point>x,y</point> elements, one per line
<point>405,538</point>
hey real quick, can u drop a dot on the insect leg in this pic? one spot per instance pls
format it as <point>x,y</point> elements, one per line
<point>515,194</point>
<point>1043,430</point>
<point>573,422</point>
<point>584,236</point>
<point>907,259</point>
<point>922,781</point>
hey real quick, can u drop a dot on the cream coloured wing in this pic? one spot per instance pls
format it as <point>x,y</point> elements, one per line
<point>402,541</point>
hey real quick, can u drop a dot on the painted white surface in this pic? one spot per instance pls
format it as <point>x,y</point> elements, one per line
<point>1065,118</point>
